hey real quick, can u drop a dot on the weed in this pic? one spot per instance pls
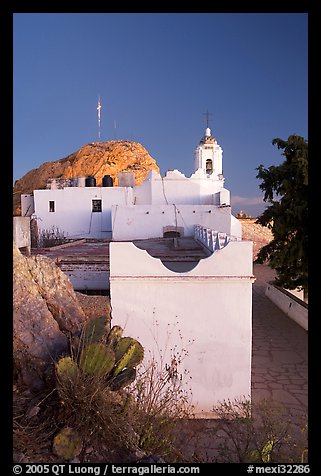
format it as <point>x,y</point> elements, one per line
<point>51,237</point>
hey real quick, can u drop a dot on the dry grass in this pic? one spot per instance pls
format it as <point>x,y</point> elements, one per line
<point>34,425</point>
<point>154,417</point>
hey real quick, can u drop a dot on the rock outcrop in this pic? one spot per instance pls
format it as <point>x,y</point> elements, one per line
<point>260,235</point>
<point>45,314</point>
<point>96,159</point>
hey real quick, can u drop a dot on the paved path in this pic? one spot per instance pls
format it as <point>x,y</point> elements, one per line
<point>280,352</point>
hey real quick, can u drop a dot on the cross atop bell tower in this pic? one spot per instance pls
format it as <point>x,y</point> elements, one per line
<point>207,117</point>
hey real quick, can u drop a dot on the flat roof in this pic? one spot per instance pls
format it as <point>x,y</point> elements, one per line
<point>184,249</point>
<point>173,249</point>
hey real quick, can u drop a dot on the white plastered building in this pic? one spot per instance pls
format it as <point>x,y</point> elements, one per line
<point>150,210</point>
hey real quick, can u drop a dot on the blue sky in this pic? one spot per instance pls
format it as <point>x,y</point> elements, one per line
<point>157,74</point>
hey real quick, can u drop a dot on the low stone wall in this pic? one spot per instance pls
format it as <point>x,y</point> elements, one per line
<point>21,232</point>
<point>289,304</point>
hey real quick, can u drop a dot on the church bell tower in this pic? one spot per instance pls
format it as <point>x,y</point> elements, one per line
<point>208,156</point>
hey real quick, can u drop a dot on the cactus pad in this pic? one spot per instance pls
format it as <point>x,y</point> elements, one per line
<point>124,378</point>
<point>94,331</point>
<point>66,369</point>
<point>67,443</point>
<point>97,359</point>
<point>129,353</point>
<point>267,450</point>
<point>114,335</point>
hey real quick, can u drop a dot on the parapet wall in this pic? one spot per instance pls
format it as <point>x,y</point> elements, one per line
<point>206,311</point>
<point>289,304</point>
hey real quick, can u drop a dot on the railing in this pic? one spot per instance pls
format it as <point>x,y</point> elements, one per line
<point>212,239</point>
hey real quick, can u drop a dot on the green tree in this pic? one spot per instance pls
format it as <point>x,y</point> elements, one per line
<point>286,188</point>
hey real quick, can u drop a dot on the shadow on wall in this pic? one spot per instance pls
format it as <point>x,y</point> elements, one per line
<point>178,254</point>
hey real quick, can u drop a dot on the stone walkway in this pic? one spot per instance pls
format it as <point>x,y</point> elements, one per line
<point>279,353</point>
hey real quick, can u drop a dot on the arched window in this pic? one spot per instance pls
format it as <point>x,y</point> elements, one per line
<point>209,166</point>
<point>173,231</point>
<point>171,234</point>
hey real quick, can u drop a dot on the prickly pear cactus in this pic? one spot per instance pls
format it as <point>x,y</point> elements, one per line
<point>124,378</point>
<point>67,443</point>
<point>66,369</point>
<point>114,335</point>
<point>97,359</point>
<point>129,353</point>
<point>94,331</point>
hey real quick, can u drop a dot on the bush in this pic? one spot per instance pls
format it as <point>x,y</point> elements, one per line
<point>89,383</point>
<point>103,396</point>
<point>256,433</point>
<point>52,237</point>
<point>160,401</point>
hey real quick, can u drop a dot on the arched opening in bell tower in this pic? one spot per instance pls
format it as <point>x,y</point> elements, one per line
<point>209,166</point>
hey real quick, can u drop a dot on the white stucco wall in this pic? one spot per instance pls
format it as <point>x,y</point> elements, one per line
<point>148,221</point>
<point>210,307</point>
<point>176,188</point>
<point>236,227</point>
<point>84,276</point>
<point>73,210</point>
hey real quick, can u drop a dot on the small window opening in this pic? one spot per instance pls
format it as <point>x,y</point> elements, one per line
<point>51,206</point>
<point>96,206</point>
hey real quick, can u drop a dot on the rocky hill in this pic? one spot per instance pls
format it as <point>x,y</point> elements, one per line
<point>97,159</point>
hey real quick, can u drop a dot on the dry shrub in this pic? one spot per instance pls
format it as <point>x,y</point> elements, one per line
<point>245,432</point>
<point>159,401</point>
<point>256,432</point>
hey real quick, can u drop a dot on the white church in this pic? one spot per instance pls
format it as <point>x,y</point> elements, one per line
<point>149,210</point>
<point>208,305</point>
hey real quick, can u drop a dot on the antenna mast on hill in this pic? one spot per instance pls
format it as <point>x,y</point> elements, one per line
<point>115,135</point>
<point>98,112</point>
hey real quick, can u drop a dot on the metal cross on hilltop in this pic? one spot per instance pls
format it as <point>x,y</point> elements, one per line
<point>207,114</point>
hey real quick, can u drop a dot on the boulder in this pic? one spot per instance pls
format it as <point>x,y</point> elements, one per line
<point>46,313</point>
